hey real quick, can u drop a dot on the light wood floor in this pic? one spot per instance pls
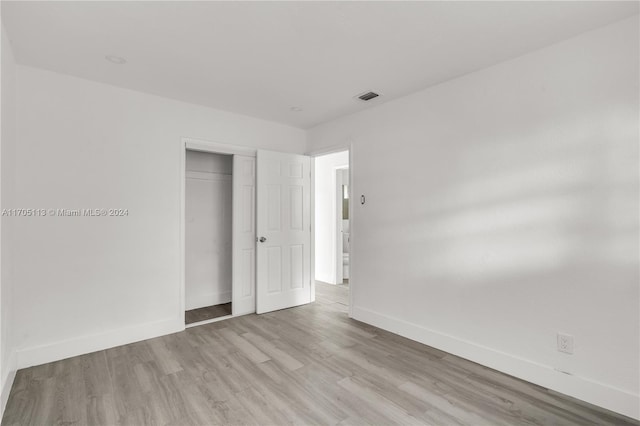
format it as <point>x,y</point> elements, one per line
<point>306,365</point>
<point>329,293</point>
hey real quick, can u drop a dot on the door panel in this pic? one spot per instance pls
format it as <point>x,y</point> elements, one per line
<point>283,221</point>
<point>244,235</point>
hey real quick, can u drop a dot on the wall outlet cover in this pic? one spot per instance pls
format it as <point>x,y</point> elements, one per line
<point>565,343</point>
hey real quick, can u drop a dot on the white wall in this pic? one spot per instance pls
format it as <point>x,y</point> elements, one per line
<point>7,192</point>
<point>208,223</point>
<point>502,207</point>
<point>84,283</point>
<point>325,214</point>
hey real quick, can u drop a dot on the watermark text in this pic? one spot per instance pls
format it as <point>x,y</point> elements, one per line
<point>57,212</point>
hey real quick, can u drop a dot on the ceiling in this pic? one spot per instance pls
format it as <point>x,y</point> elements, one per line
<point>263,58</point>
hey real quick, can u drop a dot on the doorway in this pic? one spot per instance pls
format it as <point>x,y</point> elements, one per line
<point>217,231</point>
<point>343,239</point>
<point>333,234</point>
<point>208,236</point>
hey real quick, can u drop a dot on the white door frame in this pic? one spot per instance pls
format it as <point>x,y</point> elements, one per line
<point>352,217</point>
<point>201,145</point>
<point>338,221</point>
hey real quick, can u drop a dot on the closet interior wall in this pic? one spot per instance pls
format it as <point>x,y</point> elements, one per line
<point>208,229</point>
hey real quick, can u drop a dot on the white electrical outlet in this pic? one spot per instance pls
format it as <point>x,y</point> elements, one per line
<point>565,343</point>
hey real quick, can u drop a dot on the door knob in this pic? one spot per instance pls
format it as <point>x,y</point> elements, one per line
<point>263,239</point>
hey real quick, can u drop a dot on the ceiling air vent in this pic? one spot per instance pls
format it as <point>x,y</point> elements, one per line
<point>368,96</point>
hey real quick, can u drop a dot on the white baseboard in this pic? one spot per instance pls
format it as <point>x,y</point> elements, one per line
<point>42,354</point>
<point>7,382</point>
<point>596,393</point>
<point>207,299</point>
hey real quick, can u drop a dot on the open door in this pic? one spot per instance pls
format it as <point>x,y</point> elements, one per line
<point>283,231</point>
<point>244,235</point>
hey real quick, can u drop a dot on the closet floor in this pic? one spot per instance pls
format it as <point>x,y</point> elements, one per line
<point>207,313</point>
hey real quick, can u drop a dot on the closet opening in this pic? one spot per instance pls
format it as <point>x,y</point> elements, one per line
<point>208,236</point>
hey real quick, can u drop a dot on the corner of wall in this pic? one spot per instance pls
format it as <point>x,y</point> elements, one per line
<point>8,359</point>
<point>7,381</point>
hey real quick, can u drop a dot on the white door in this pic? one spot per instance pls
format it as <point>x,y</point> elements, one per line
<point>244,235</point>
<point>283,231</point>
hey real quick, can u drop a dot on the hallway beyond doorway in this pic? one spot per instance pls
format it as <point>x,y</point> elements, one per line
<point>327,294</point>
